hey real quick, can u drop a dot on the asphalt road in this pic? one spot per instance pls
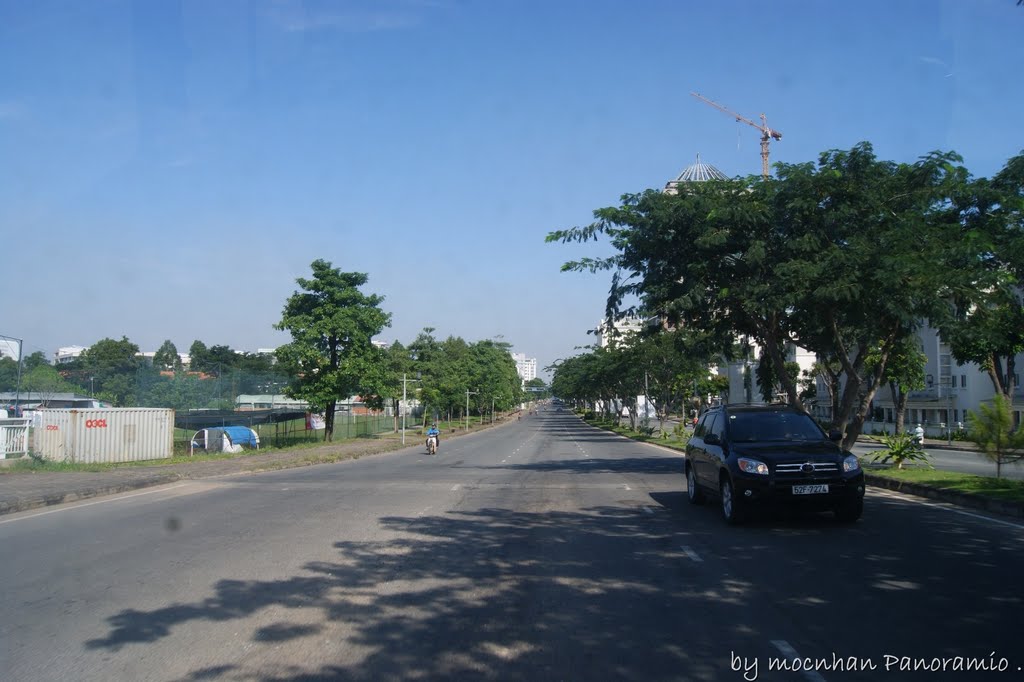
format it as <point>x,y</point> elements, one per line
<point>541,550</point>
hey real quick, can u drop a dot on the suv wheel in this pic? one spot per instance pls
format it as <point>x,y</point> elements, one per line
<point>850,511</point>
<point>732,508</point>
<point>693,492</point>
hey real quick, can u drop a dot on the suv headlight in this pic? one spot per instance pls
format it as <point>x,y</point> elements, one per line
<point>851,463</point>
<point>752,466</point>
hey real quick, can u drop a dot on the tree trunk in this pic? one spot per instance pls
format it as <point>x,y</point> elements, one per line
<point>901,411</point>
<point>1011,367</point>
<point>779,365</point>
<point>856,425</point>
<point>994,370</point>
<point>329,421</point>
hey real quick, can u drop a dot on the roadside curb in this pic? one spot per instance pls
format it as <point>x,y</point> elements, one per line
<point>54,499</point>
<point>987,504</point>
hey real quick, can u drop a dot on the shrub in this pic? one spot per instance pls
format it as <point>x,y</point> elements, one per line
<point>900,448</point>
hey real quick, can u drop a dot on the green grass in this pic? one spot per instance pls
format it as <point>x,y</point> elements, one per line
<point>623,429</point>
<point>1006,489</point>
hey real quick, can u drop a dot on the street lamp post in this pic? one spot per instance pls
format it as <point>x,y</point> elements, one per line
<point>492,409</point>
<point>469,393</point>
<point>404,408</point>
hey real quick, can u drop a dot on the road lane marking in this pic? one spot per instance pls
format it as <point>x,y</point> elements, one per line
<point>112,498</point>
<point>790,653</point>
<point>691,554</point>
<point>900,497</point>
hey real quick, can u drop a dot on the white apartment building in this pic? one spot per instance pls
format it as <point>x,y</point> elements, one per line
<point>951,391</point>
<point>526,367</point>
<point>620,330</point>
<point>67,354</point>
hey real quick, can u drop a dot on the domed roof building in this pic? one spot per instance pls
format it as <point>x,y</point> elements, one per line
<point>698,172</point>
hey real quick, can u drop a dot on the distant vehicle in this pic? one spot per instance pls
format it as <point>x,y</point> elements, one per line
<point>751,456</point>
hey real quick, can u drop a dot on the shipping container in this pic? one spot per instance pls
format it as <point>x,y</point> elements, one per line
<point>116,434</point>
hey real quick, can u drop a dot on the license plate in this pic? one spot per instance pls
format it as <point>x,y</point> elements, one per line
<point>810,489</point>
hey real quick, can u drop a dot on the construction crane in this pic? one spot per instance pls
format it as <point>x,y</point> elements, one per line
<point>767,134</point>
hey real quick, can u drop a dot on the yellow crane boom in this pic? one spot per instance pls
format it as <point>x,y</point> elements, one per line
<point>767,134</point>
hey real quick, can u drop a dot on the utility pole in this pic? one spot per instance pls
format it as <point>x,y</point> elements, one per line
<point>404,408</point>
<point>469,393</point>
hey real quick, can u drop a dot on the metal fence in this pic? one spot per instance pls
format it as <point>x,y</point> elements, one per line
<point>285,433</point>
<point>14,437</point>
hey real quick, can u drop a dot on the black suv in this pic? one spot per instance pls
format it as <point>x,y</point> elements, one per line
<point>749,455</point>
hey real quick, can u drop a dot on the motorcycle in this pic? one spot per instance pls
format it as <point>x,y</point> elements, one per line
<point>432,445</point>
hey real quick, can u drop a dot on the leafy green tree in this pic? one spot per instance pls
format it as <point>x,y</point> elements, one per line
<point>985,321</point>
<point>398,367</point>
<point>181,392</point>
<point>44,381</point>
<point>33,360</point>
<point>166,357</point>
<point>332,324</point>
<point>218,360</point>
<point>992,429</point>
<point>113,367</point>
<point>494,376</point>
<point>904,373</point>
<point>197,356</point>
<point>837,257</point>
<point>8,373</point>
<point>540,391</point>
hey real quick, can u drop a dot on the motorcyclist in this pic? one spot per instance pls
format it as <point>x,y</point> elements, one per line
<point>433,431</point>
<point>919,435</point>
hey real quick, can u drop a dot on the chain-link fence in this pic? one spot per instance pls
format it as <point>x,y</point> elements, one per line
<point>195,390</point>
<point>279,433</point>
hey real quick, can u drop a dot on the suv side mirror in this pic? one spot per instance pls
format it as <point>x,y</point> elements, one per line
<point>712,439</point>
<point>835,435</point>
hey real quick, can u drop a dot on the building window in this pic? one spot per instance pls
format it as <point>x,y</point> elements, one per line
<point>963,381</point>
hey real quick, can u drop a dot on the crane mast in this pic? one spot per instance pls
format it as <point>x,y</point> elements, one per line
<point>767,134</point>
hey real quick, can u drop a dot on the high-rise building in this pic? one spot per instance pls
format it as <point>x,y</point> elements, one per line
<point>527,367</point>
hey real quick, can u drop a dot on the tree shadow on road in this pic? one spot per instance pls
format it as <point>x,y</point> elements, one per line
<point>489,594</point>
<point>609,592</point>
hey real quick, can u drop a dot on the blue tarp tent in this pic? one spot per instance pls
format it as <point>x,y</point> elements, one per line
<point>241,435</point>
<point>225,439</point>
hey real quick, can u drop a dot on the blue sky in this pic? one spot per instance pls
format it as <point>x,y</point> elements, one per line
<point>167,169</point>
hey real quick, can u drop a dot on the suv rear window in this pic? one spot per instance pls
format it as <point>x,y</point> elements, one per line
<point>750,427</point>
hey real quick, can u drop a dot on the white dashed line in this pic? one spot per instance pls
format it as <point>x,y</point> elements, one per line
<point>691,554</point>
<point>882,492</point>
